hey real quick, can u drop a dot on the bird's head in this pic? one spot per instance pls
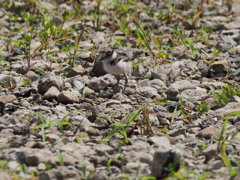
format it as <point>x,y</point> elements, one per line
<point>105,52</point>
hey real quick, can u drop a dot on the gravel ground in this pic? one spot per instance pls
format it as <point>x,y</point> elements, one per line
<point>177,119</point>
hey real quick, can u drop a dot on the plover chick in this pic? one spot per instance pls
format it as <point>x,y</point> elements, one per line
<point>116,65</point>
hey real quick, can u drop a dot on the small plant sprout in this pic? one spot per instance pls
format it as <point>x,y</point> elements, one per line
<point>75,55</point>
<point>202,146</point>
<point>4,165</point>
<point>60,159</point>
<point>85,174</point>
<point>122,127</point>
<point>222,144</point>
<point>97,13</point>
<point>205,33</point>
<point>165,129</point>
<point>47,123</point>
<point>116,157</point>
<point>203,107</point>
<point>226,94</point>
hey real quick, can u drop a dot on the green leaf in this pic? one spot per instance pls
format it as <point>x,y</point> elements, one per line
<point>37,127</point>
<point>139,34</point>
<point>191,44</point>
<point>120,23</point>
<point>109,166</point>
<point>203,176</point>
<point>106,118</point>
<point>213,92</point>
<point>79,141</point>
<point>232,114</point>
<point>59,123</point>
<point>68,114</point>
<point>139,62</point>
<point>175,114</point>
<point>197,15</point>
<point>48,165</point>
<point>84,169</point>
<point>60,159</point>
<point>66,123</point>
<point>40,70</point>
<point>42,118</point>
<point>148,178</point>
<point>161,101</point>
<point>111,134</point>
<point>203,146</point>
<point>123,132</point>
<point>132,2</point>
<point>226,161</point>
<point>23,167</point>
<point>43,134</point>
<point>132,116</point>
<point>4,165</point>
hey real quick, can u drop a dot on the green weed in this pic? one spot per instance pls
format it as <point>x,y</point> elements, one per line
<point>226,94</point>
<point>189,174</point>
<point>47,123</point>
<point>203,107</point>
<point>75,55</point>
<point>85,174</point>
<point>205,33</point>
<point>4,165</point>
<point>60,159</point>
<point>120,127</point>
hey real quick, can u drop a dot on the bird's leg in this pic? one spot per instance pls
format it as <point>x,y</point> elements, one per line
<point>116,87</point>
<point>118,79</point>
<point>126,82</point>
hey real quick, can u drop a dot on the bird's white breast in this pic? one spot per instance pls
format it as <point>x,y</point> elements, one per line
<point>120,68</point>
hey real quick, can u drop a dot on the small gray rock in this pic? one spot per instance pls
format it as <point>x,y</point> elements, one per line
<point>177,132</point>
<point>98,37</point>
<point>103,150</point>
<point>221,66</point>
<point>162,159</point>
<point>97,84</point>
<point>51,93</point>
<point>157,82</point>
<point>178,86</point>
<point>149,92</point>
<point>179,51</point>
<point>229,108</point>
<point>48,80</point>
<point>217,164</point>
<point>67,97</point>
<point>208,132</point>
<point>91,131</point>
<point>160,141</point>
<point>144,83</point>
<point>138,71</point>
<point>161,72</point>
<point>57,20</point>
<point>210,151</point>
<point>77,70</point>
<point>78,85</point>
<point>32,76</point>
<point>59,173</point>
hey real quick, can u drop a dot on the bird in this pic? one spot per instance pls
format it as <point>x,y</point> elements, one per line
<point>115,64</point>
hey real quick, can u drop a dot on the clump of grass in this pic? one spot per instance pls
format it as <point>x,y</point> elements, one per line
<point>226,94</point>
<point>126,127</point>
<point>47,123</point>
